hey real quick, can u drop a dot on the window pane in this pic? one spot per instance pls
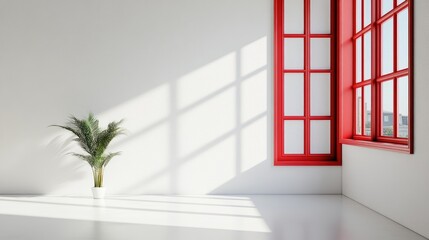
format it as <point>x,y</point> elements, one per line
<point>358,20</point>
<point>386,6</point>
<point>294,53</point>
<point>367,56</point>
<point>320,136</point>
<point>320,19</point>
<point>293,137</point>
<point>294,16</point>
<point>358,60</point>
<point>387,108</point>
<point>320,94</point>
<point>403,107</point>
<point>387,47</point>
<point>403,39</point>
<point>320,53</point>
<point>358,111</point>
<point>400,1</point>
<point>367,109</point>
<point>367,12</point>
<point>293,94</point>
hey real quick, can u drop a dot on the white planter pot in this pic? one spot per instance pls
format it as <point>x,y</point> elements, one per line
<point>98,192</point>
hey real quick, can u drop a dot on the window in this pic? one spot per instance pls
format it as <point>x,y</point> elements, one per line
<point>343,74</point>
<point>375,73</point>
<point>305,83</point>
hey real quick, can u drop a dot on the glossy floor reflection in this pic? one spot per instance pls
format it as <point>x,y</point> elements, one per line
<point>327,217</point>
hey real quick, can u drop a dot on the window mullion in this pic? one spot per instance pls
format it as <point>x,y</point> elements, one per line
<point>307,77</point>
<point>362,105</point>
<point>395,69</point>
<point>376,12</point>
<point>395,108</point>
<point>362,14</point>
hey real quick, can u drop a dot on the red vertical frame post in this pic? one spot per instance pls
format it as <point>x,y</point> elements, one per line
<point>307,77</point>
<point>278,80</point>
<point>411,76</point>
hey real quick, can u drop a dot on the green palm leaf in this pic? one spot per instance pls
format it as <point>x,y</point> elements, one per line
<point>94,141</point>
<point>87,158</point>
<point>107,158</point>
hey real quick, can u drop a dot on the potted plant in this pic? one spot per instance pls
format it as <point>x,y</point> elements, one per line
<point>94,142</point>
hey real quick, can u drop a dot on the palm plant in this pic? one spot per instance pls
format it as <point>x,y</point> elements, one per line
<point>94,141</point>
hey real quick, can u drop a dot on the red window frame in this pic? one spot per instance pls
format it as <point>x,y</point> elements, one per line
<point>306,159</point>
<point>347,83</point>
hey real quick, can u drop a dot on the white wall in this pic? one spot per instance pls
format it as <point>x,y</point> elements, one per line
<point>395,184</point>
<point>192,78</point>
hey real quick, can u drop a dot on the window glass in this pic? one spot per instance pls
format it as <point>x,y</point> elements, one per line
<point>367,56</point>
<point>320,19</point>
<point>293,137</point>
<point>367,12</point>
<point>387,47</point>
<point>293,94</point>
<point>358,19</point>
<point>386,6</point>
<point>367,110</point>
<point>358,60</point>
<point>320,136</point>
<point>403,39</point>
<point>387,108</point>
<point>294,16</point>
<point>358,113</point>
<point>320,53</point>
<point>403,107</point>
<point>320,94</point>
<point>294,53</point>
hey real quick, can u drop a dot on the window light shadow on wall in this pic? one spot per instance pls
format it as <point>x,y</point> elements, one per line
<point>197,132</point>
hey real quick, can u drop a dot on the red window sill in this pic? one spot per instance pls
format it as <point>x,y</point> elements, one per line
<point>378,145</point>
<point>307,163</point>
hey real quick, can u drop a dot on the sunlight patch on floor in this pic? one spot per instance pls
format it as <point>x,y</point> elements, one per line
<point>210,213</point>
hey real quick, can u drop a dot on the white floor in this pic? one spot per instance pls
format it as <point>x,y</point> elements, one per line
<point>317,217</point>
